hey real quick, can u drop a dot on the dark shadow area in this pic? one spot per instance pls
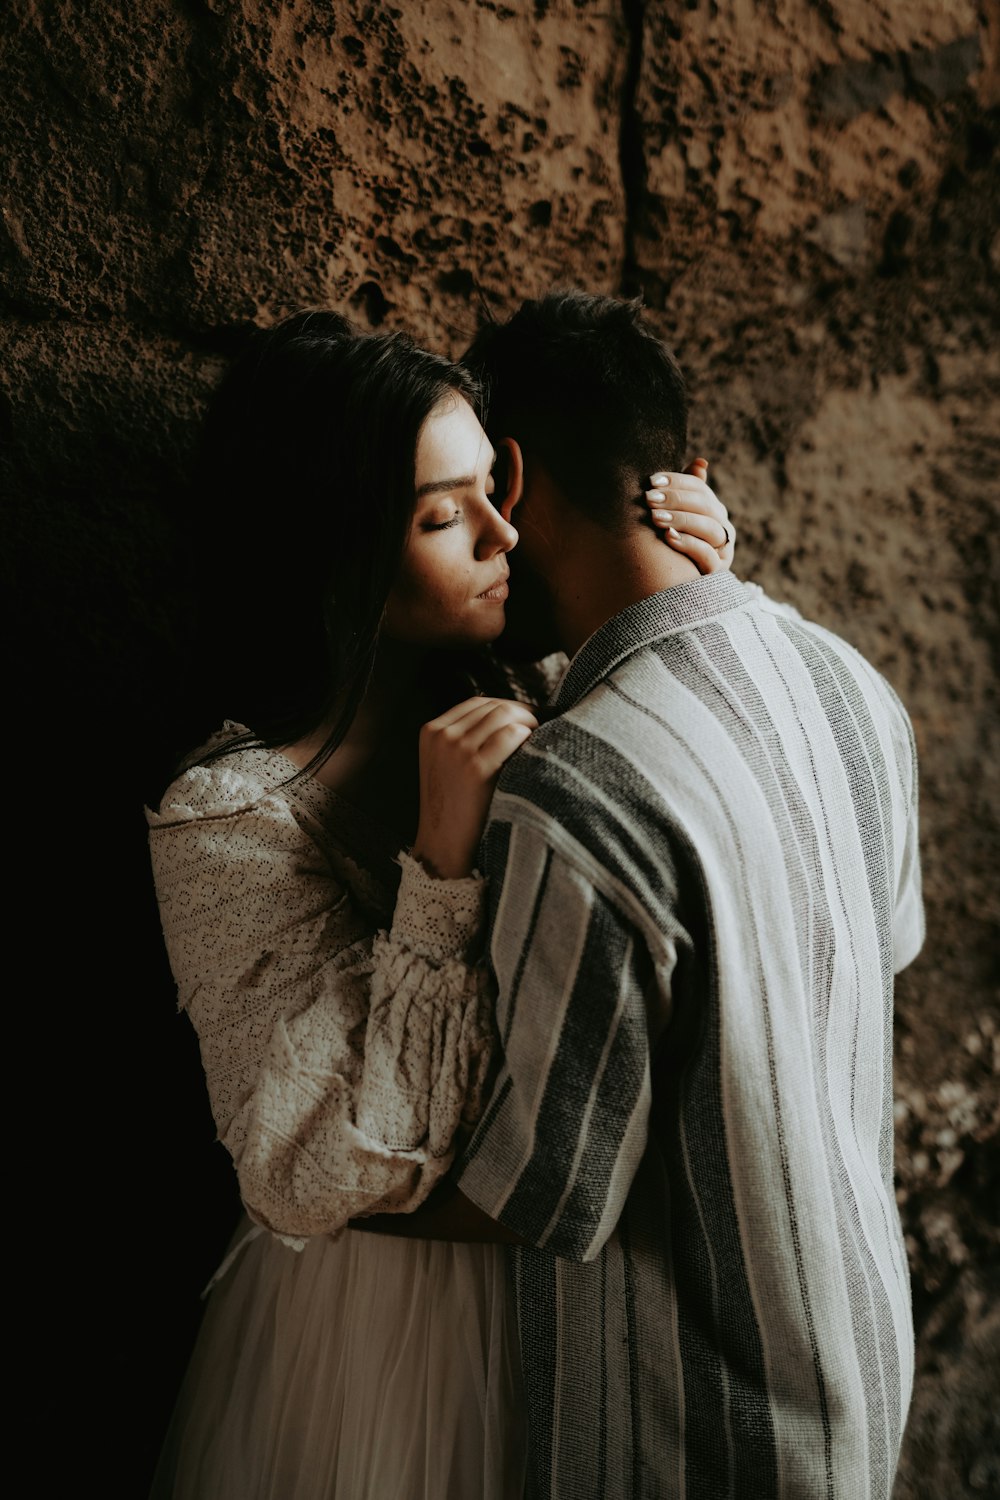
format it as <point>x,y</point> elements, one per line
<point>126,1200</point>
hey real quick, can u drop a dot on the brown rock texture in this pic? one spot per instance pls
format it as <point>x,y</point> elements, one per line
<point>805,194</point>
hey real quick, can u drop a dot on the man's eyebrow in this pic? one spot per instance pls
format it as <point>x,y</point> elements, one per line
<point>442,486</point>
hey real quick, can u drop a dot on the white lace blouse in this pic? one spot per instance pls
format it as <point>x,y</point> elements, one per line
<point>343,1008</point>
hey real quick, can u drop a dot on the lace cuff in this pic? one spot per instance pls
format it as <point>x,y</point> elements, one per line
<point>439,919</point>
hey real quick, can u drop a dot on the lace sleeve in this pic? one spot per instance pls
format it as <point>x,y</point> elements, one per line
<point>344,1063</point>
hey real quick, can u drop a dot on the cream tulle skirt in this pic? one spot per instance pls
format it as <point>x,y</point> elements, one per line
<point>362,1368</point>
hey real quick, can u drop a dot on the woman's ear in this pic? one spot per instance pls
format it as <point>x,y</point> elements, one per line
<point>508,477</point>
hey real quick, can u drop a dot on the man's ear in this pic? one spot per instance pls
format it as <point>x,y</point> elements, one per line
<point>508,477</point>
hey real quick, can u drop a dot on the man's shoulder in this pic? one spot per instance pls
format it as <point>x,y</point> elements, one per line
<point>851,657</point>
<point>842,673</point>
<point>537,763</point>
<point>560,771</point>
<point>577,777</point>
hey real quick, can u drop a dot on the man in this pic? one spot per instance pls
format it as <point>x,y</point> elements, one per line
<point>704,874</point>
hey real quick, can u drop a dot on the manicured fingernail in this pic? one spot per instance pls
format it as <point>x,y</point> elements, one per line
<point>662,515</point>
<point>655,495</point>
<point>672,531</point>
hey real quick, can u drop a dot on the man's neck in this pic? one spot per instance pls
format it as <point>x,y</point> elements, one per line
<point>601,575</point>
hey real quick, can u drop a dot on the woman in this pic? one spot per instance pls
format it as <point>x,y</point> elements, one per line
<point>314,862</point>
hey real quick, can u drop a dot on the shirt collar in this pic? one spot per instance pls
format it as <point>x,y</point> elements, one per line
<point>665,613</point>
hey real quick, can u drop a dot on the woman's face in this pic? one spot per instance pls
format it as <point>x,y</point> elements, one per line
<point>451,585</point>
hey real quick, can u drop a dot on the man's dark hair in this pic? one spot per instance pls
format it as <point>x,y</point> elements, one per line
<point>585,384</point>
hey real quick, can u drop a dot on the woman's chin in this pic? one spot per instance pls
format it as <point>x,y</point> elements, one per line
<point>495,629</point>
<point>477,630</point>
<point>482,631</point>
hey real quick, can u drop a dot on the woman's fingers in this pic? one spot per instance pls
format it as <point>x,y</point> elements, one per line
<point>461,717</point>
<point>501,715</point>
<point>499,745</point>
<point>475,707</point>
<point>494,737</point>
<point>691,517</point>
<point>461,752</point>
<point>701,527</point>
<point>451,746</point>
<point>686,492</point>
<point>707,559</point>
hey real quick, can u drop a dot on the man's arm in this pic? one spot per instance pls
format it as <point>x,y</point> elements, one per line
<point>581,999</point>
<point>584,992</point>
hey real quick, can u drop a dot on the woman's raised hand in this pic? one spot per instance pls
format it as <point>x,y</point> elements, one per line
<point>461,753</point>
<point>691,517</point>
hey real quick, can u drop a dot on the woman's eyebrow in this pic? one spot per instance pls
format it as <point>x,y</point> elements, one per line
<point>441,486</point>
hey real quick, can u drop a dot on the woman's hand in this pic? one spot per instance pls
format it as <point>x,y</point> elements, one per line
<point>691,517</point>
<point>461,753</point>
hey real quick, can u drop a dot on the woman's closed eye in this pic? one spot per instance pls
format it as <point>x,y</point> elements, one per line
<point>452,520</point>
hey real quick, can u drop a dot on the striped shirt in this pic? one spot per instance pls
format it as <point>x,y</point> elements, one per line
<point>704,875</point>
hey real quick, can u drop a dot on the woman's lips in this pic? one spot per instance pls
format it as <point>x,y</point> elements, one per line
<point>498,591</point>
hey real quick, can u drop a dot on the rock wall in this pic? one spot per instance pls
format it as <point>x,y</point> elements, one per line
<point>805,194</point>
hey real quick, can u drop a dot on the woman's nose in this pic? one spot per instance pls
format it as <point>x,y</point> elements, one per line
<point>497,535</point>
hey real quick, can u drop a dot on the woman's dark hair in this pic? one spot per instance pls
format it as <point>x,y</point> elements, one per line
<point>303,497</point>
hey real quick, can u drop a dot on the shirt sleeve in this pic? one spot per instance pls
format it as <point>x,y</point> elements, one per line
<point>345,1062</point>
<point>563,1135</point>
<point>909,921</point>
